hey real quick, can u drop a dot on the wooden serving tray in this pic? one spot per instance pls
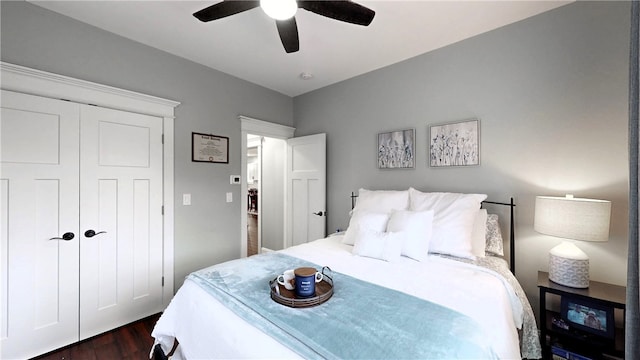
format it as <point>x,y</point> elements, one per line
<point>324,291</point>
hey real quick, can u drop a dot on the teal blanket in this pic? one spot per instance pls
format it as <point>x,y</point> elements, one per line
<point>360,321</point>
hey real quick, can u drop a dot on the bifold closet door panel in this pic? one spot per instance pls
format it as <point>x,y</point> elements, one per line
<point>39,193</point>
<point>121,218</point>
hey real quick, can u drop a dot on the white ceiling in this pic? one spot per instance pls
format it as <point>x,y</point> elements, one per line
<point>247,45</point>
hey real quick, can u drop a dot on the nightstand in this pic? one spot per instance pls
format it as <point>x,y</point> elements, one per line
<point>586,344</point>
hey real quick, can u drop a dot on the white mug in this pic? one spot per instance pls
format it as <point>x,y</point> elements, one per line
<point>287,279</point>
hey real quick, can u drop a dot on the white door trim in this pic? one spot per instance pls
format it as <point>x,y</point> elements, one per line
<point>263,128</point>
<point>41,83</point>
<point>36,82</point>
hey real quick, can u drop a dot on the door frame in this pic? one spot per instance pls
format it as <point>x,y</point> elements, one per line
<point>41,83</point>
<point>256,142</point>
<point>262,128</point>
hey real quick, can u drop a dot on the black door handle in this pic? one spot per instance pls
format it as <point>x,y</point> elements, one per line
<point>320,213</point>
<point>66,236</point>
<point>91,233</point>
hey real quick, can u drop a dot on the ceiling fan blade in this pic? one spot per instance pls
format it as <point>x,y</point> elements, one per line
<point>224,9</point>
<point>288,31</point>
<point>345,10</point>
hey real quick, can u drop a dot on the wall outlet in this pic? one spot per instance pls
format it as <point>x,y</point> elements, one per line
<point>186,199</point>
<point>235,179</point>
<point>229,197</point>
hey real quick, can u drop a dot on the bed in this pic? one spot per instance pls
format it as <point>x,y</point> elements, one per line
<point>416,275</point>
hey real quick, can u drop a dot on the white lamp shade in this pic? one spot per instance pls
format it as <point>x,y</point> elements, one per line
<point>573,218</point>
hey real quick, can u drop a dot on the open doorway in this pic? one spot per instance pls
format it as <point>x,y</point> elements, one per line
<point>266,170</point>
<point>263,188</point>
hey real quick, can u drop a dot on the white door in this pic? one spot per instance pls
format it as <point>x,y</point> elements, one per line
<point>306,188</point>
<point>121,202</point>
<point>39,203</point>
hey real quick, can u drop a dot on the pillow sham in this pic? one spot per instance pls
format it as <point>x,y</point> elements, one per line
<point>479,234</point>
<point>385,246</point>
<point>454,216</point>
<point>381,201</point>
<point>494,245</point>
<point>364,220</point>
<point>415,227</point>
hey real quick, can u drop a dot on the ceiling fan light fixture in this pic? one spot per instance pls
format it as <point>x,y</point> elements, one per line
<point>279,9</point>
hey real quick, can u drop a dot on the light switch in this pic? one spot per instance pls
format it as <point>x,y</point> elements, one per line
<point>229,197</point>
<point>186,199</point>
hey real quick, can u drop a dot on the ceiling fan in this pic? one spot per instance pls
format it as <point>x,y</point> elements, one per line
<point>283,12</point>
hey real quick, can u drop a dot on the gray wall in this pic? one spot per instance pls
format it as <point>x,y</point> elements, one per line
<point>551,95</point>
<point>208,231</point>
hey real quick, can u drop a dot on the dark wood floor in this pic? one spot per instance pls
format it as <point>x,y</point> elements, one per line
<point>130,342</point>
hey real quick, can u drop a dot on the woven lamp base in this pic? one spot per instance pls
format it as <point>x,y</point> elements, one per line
<point>569,272</point>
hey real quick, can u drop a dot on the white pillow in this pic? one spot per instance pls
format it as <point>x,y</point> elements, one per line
<point>385,246</point>
<point>364,220</point>
<point>454,215</point>
<point>479,234</point>
<point>416,229</point>
<point>382,201</point>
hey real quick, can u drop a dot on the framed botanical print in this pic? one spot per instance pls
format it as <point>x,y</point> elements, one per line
<point>454,144</point>
<point>396,149</point>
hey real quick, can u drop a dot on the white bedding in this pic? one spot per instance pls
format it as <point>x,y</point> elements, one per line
<point>206,329</point>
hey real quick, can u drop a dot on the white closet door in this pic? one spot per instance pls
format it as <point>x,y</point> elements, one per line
<point>39,201</point>
<point>121,201</point>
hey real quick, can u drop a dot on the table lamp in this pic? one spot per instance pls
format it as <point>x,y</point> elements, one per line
<point>571,218</point>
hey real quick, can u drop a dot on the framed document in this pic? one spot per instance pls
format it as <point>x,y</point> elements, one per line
<point>209,148</point>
